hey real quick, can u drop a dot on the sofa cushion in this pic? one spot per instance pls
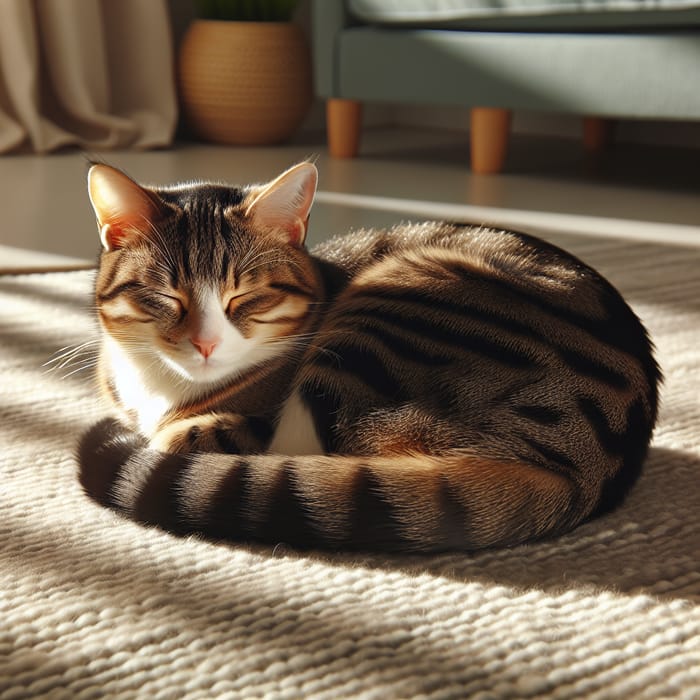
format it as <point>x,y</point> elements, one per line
<point>528,14</point>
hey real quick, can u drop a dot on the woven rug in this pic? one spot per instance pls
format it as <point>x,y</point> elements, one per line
<point>94,606</point>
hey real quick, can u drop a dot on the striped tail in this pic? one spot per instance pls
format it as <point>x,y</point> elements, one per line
<point>401,503</point>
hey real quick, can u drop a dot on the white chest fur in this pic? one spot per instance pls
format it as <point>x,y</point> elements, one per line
<point>296,432</point>
<point>148,395</point>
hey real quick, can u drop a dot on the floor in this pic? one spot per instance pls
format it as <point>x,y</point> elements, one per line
<point>550,185</point>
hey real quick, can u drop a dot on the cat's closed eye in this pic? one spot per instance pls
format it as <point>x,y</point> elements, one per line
<point>175,301</point>
<point>160,304</point>
<point>234,299</point>
<point>248,304</point>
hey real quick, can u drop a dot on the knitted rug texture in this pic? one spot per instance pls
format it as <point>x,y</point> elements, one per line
<point>92,605</point>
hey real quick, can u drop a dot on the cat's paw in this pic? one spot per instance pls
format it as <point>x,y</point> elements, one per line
<point>181,436</point>
<point>208,433</point>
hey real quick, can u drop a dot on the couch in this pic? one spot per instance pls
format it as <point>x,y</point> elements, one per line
<point>601,59</point>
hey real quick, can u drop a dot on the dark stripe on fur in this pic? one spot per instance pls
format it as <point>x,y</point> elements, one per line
<point>551,458</point>
<point>466,339</point>
<point>292,289</point>
<point>225,262</point>
<point>228,514</point>
<point>589,367</point>
<point>286,519</point>
<point>362,364</point>
<point>399,343</point>
<point>119,290</point>
<point>544,415</point>
<point>372,525</point>
<point>419,322</point>
<point>159,501</point>
<point>434,329</point>
<point>546,302</point>
<point>453,525</point>
<point>431,305</point>
<point>184,257</point>
<point>616,488</point>
<point>614,443</point>
<point>174,276</point>
<point>518,358</point>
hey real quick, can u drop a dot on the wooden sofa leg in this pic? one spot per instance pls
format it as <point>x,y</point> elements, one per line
<point>597,133</point>
<point>343,122</point>
<point>489,131</point>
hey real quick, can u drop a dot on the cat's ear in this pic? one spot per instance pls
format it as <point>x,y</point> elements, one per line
<point>284,204</point>
<point>124,209</point>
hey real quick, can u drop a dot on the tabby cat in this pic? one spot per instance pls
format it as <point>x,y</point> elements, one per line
<point>429,387</point>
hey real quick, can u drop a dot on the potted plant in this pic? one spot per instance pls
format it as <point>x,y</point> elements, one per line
<point>244,72</point>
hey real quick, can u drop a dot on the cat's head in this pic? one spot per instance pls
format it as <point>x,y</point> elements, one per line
<point>203,279</point>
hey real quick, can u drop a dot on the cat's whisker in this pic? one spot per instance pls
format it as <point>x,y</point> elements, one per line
<point>78,352</point>
<point>276,257</point>
<point>82,368</point>
<point>71,363</point>
<point>75,364</point>
<point>302,342</point>
<point>69,348</point>
<point>253,254</point>
<point>65,353</point>
<point>277,261</point>
<point>306,336</point>
<point>156,237</point>
<point>55,369</point>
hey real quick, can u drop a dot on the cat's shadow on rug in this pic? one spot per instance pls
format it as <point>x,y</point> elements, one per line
<point>650,544</point>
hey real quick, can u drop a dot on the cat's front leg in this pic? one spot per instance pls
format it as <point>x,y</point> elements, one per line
<point>214,432</point>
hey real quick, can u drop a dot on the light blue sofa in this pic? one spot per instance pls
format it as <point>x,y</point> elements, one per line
<point>601,59</point>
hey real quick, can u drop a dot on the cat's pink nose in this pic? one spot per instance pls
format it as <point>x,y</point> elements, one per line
<point>204,347</point>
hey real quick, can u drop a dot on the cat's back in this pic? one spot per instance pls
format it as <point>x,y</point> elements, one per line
<point>516,338</point>
<point>472,256</point>
<point>505,281</point>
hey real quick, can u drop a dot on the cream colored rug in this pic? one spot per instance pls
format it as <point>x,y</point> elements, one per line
<point>94,606</point>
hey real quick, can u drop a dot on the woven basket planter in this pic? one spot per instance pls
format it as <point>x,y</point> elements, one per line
<point>244,83</point>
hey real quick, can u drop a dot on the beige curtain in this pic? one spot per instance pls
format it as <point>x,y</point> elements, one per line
<point>89,73</point>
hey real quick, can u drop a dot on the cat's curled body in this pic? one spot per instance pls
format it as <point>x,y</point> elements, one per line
<point>427,387</point>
